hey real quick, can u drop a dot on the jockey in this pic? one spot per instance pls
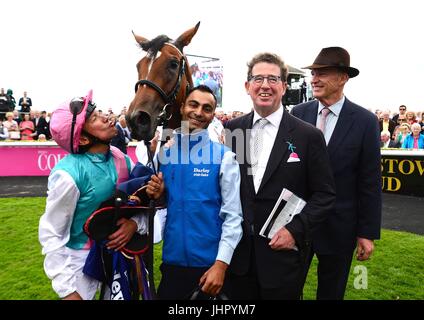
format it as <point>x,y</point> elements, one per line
<point>77,185</point>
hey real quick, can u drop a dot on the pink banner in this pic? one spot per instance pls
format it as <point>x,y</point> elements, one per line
<point>33,159</point>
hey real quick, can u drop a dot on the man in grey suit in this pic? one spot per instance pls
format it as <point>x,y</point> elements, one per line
<point>353,143</point>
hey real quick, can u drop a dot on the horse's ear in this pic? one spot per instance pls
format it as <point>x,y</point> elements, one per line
<point>139,39</point>
<point>184,39</point>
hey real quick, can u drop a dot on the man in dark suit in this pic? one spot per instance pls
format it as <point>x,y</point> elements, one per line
<point>353,143</point>
<point>25,102</point>
<point>121,140</point>
<point>290,154</point>
<point>40,124</point>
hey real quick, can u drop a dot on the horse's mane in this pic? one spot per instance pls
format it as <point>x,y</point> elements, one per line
<point>155,45</point>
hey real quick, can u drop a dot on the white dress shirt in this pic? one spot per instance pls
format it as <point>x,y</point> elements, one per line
<point>269,135</point>
<point>332,117</point>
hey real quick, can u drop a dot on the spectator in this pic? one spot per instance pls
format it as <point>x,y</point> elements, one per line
<point>112,117</point>
<point>402,111</point>
<point>4,133</point>
<point>401,119</point>
<point>303,88</point>
<point>5,104</point>
<point>126,129</point>
<point>421,122</point>
<point>16,116</point>
<point>12,126</point>
<point>120,140</point>
<point>385,141</point>
<point>141,149</point>
<point>377,112</point>
<point>40,124</point>
<point>41,138</point>
<point>25,102</point>
<point>212,83</point>
<point>385,123</point>
<point>410,117</point>
<point>394,137</point>
<point>414,140</point>
<point>44,127</point>
<point>12,101</point>
<point>27,128</point>
<point>404,130</point>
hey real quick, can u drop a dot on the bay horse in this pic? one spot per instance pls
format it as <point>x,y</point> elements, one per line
<point>164,77</point>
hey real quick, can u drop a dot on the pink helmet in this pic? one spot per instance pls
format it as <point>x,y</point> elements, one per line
<point>67,121</point>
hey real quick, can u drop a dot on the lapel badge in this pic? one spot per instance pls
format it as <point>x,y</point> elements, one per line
<point>293,157</point>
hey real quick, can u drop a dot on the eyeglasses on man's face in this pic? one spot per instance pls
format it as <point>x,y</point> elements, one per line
<point>402,109</point>
<point>259,79</point>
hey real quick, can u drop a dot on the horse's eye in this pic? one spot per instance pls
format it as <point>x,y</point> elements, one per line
<point>173,64</point>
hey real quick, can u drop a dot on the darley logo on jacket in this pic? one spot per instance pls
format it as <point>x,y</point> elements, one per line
<point>200,172</point>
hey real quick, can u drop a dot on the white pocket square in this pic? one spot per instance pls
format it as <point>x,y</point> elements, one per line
<point>293,160</point>
<point>293,157</point>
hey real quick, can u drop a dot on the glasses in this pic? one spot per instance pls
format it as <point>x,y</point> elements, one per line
<point>402,109</point>
<point>259,79</point>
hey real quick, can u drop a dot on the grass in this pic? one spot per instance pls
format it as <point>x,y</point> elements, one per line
<point>394,272</point>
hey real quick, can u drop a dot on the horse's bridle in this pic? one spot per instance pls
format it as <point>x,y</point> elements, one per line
<point>165,114</point>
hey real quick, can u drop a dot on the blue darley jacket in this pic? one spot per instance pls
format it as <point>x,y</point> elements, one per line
<point>191,168</point>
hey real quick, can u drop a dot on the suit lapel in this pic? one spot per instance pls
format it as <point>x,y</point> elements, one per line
<point>311,113</point>
<point>343,126</point>
<point>279,150</point>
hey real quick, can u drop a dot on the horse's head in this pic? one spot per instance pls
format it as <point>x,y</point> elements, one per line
<point>163,78</point>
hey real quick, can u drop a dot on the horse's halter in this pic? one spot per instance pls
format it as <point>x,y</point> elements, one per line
<point>165,114</point>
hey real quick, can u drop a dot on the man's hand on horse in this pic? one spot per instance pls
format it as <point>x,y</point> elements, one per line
<point>156,186</point>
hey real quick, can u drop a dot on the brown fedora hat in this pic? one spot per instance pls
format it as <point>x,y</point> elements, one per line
<point>334,57</point>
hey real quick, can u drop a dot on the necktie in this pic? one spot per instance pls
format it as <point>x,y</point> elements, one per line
<point>258,143</point>
<point>324,114</point>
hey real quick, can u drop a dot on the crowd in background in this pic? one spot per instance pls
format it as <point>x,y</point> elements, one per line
<point>404,129</point>
<point>21,122</point>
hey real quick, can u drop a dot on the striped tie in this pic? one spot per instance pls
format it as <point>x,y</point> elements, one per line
<point>258,143</point>
<point>324,114</point>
